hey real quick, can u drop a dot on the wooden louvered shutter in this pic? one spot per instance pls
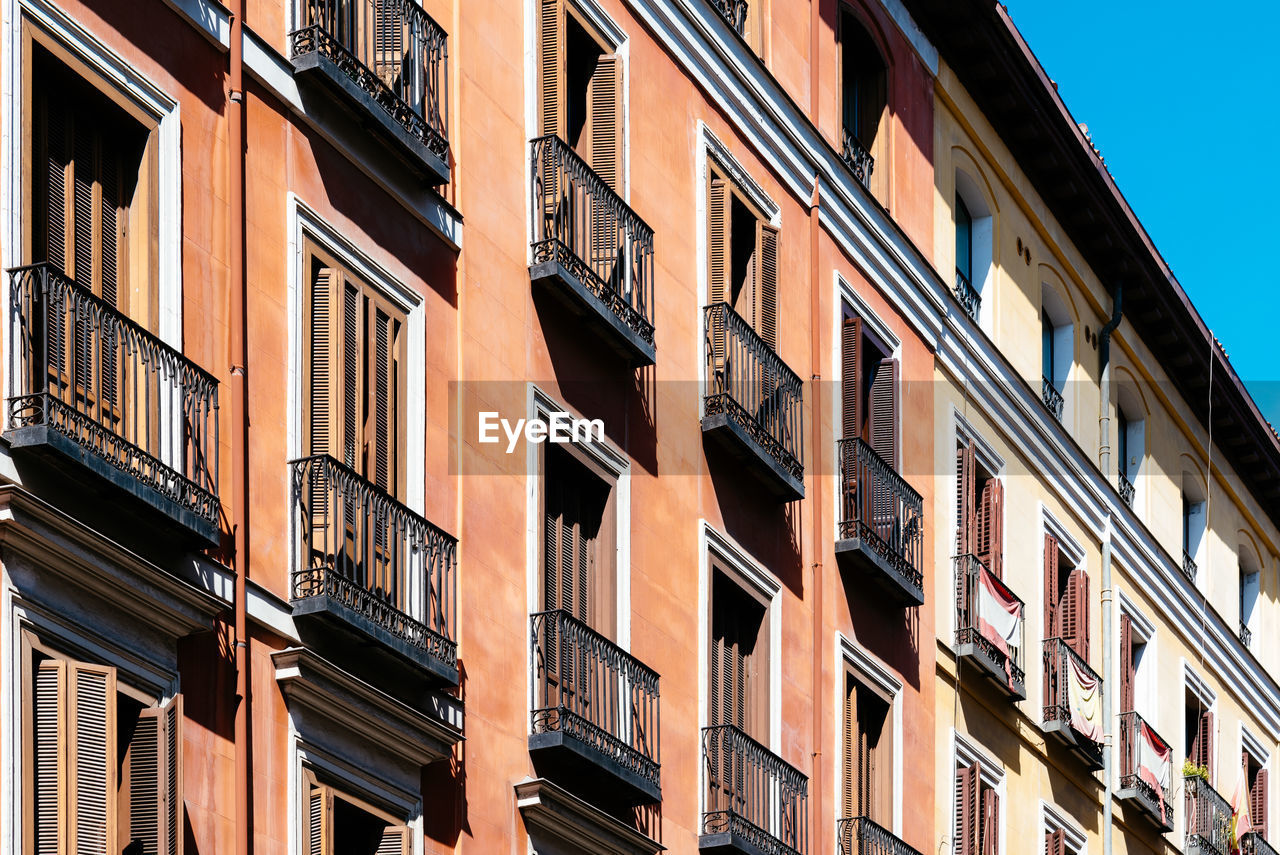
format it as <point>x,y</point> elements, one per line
<point>388,40</point>
<point>320,821</point>
<point>766,290</point>
<point>996,514</point>
<point>76,759</point>
<point>50,757</point>
<point>1052,622</point>
<point>551,67</point>
<point>850,376</point>
<point>395,841</point>
<point>351,358</point>
<point>966,516</point>
<point>322,391</point>
<point>382,427</point>
<point>884,412</point>
<point>990,822</point>
<point>1258,803</point>
<point>719,264</point>
<point>1203,748</point>
<point>1055,843</point>
<point>850,759</point>
<point>987,527</point>
<point>1075,617</point>
<point>1126,664</point>
<point>604,96</point>
<point>155,780</point>
<point>968,810</point>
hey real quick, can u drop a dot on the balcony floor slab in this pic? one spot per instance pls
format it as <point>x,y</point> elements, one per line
<point>554,278</point>
<point>859,557</point>
<point>727,433</point>
<point>580,766</point>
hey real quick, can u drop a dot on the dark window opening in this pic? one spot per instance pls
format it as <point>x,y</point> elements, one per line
<point>738,691</point>
<point>964,241</point>
<point>583,56</point>
<point>863,81</point>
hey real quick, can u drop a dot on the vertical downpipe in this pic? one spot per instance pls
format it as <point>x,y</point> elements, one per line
<point>1104,462</point>
<point>816,455</point>
<point>238,359</point>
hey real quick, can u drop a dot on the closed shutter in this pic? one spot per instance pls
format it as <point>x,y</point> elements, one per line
<point>990,822</point>
<point>884,412</point>
<point>968,810</point>
<point>395,841</point>
<point>966,515</point>
<point>320,821</point>
<point>1258,803</point>
<point>155,780</point>
<point>551,71</point>
<point>50,757</point>
<point>729,664</point>
<point>388,41</point>
<point>1126,664</point>
<point>1052,625</point>
<point>1055,843</point>
<point>766,291</point>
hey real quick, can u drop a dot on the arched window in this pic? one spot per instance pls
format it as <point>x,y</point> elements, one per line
<point>1249,590</point>
<point>973,249</point>
<point>1193,522</point>
<point>1057,352</point>
<point>864,97</point>
<point>1131,432</point>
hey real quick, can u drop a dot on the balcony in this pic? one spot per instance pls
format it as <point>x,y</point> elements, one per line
<point>92,391</point>
<point>1052,397</point>
<point>1208,817</point>
<point>752,406</point>
<point>755,803</point>
<point>968,297</point>
<point>591,251</point>
<point>734,12</point>
<point>368,569</point>
<point>860,836</point>
<point>1126,489</point>
<point>1253,843</point>
<point>990,626</point>
<point>1246,635</point>
<point>881,525</point>
<point>1189,567</point>
<point>386,62</point>
<point>1144,770</point>
<point>594,722</point>
<point>1071,688</point>
<point>857,158</point>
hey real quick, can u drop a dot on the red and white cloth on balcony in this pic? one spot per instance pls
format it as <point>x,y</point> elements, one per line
<point>1085,699</point>
<point>1154,757</point>
<point>999,614</point>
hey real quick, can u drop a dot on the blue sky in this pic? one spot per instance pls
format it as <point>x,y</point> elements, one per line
<point>1183,101</point>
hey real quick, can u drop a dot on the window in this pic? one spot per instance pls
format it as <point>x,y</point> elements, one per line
<point>580,94</point>
<point>1066,599</point>
<point>743,250</point>
<point>1057,350</point>
<point>1193,523</point>
<point>1255,778</point>
<point>1134,638</point>
<point>868,753</point>
<point>1249,589</point>
<point>973,224</point>
<point>977,814</point>
<point>579,542</point>
<point>1130,438</point>
<point>355,365</point>
<point>340,824</point>
<point>964,242</point>
<point>92,210</point>
<point>1061,837</point>
<point>104,765</point>
<point>1199,732</point>
<point>868,388</point>
<point>738,676</point>
<point>864,99</point>
<point>979,511</point>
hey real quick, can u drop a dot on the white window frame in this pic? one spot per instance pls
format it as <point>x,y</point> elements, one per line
<point>986,457</point>
<point>1145,697</point>
<point>1052,819</point>
<point>1194,683</point>
<point>875,675</point>
<point>1068,546</point>
<point>965,752</point>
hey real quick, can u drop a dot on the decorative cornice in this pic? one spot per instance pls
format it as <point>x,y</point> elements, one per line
<point>313,686</point>
<point>551,812</point>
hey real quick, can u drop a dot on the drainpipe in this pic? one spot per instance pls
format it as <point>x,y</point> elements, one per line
<point>815,386</point>
<point>1104,461</point>
<point>238,359</point>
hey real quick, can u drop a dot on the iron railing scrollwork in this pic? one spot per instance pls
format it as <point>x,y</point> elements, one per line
<point>82,368</point>
<point>1189,567</point>
<point>361,548</point>
<point>968,570</point>
<point>880,507</point>
<point>1052,397</point>
<point>749,382</point>
<point>1126,488</point>
<point>734,12</point>
<point>1253,843</point>
<point>393,51</point>
<point>1246,635</point>
<point>860,836</point>
<point>968,297</point>
<point>753,794</point>
<point>1208,818</point>
<point>1058,660</point>
<point>580,222</point>
<point>1160,802</point>
<point>857,158</point>
<point>587,687</point>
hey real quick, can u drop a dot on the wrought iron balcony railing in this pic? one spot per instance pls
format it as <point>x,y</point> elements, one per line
<point>1253,843</point>
<point>734,12</point>
<point>1059,663</point>
<point>1189,567</point>
<point>857,158</point>
<point>752,796</point>
<point>1138,781</point>
<point>1126,488</point>
<point>1052,397</point>
<point>881,509</point>
<point>1208,817</point>
<point>860,836</point>
<point>998,658</point>
<point>969,298</point>
<point>382,567</point>
<point>749,383</point>
<point>588,688</point>
<point>580,223</point>
<point>1246,635</point>
<point>391,50</point>
<point>142,410</point>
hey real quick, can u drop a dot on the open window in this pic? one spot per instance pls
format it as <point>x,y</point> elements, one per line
<point>973,250</point>
<point>1193,523</point>
<point>103,761</point>
<point>1254,769</point>
<point>738,672</point>
<point>1135,676</point>
<point>1066,598</point>
<point>869,380</point>
<point>864,103</point>
<point>1250,587</point>
<point>1061,836</point>
<point>979,510</point>
<point>1199,732</point>
<point>743,257</point>
<point>977,812</point>
<point>868,761</point>
<point>342,824</point>
<point>1131,432</point>
<point>1057,349</point>
<point>579,539</point>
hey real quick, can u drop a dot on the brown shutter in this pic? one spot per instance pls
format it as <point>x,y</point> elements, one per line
<point>1258,803</point>
<point>990,822</point>
<point>997,528</point>
<point>320,379</point>
<point>395,841</point>
<point>171,774</point>
<point>1126,664</point>
<point>850,376</point>
<point>719,204</point>
<point>92,765</point>
<point>50,757</point>
<point>988,526</point>
<point>155,780</point>
<point>351,448</point>
<point>54,203</point>
<point>1055,843</point>
<point>966,522</point>
<point>605,98</point>
<point>1052,627</point>
<point>884,412</point>
<point>320,821</point>
<point>766,292</point>
<point>1075,620</point>
<point>850,759</point>
<point>968,809</point>
<point>1204,740</point>
<point>551,59</point>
